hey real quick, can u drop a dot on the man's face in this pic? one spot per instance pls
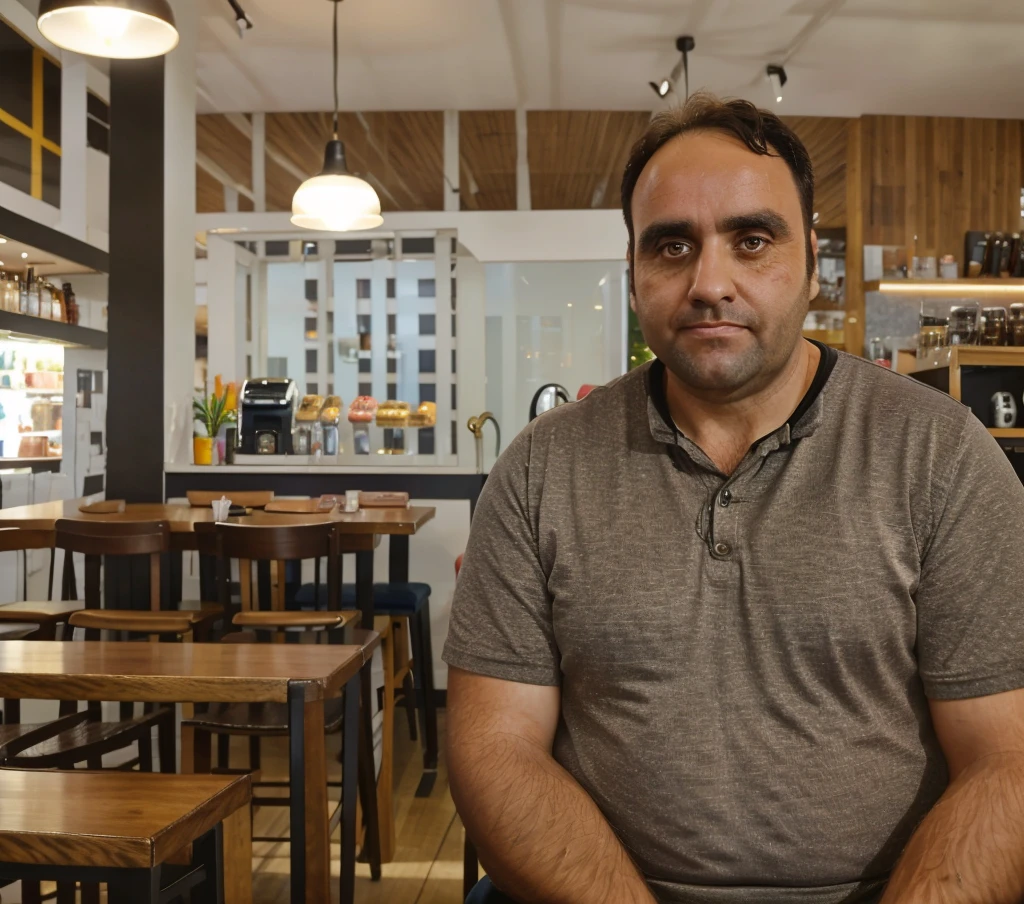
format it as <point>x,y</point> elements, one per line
<point>719,267</point>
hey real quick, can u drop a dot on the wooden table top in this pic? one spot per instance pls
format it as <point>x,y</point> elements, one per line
<point>174,672</point>
<point>95,818</point>
<point>183,517</point>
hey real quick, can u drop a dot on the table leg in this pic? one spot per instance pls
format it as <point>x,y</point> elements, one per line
<point>364,587</point>
<point>175,568</point>
<point>236,845</point>
<point>423,666</point>
<point>398,559</point>
<point>368,777</point>
<point>310,848</point>
<point>349,789</point>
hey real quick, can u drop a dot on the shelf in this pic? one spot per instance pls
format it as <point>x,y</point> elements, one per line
<point>1007,432</point>
<point>957,288</point>
<point>22,326</point>
<point>33,391</point>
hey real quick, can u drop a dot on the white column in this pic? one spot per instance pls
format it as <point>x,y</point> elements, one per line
<point>230,199</point>
<point>522,163</point>
<point>179,233</point>
<point>259,161</point>
<point>74,182</point>
<point>226,328</point>
<point>451,159</point>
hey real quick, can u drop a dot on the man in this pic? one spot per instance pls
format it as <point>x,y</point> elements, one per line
<point>745,625</point>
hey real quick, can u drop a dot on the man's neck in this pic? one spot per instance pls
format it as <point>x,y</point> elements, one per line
<point>726,429</point>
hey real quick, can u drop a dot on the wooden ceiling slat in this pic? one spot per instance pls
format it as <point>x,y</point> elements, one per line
<point>226,146</point>
<point>487,151</point>
<point>577,156</point>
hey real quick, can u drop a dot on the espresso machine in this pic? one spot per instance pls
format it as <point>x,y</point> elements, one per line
<point>266,416</point>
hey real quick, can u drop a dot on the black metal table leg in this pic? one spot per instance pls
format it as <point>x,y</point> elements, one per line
<point>297,783</point>
<point>134,886</point>
<point>368,777</point>
<point>398,559</point>
<point>349,788</point>
<point>364,587</point>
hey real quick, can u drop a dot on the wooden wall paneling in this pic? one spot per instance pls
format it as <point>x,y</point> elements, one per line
<point>577,156</point>
<point>487,158</point>
<point>939,177</point>
<point>825,138</point>
<point>226,146</point>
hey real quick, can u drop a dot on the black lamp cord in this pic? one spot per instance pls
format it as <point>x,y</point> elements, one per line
<point>337,3</point>
<point>686,73</point>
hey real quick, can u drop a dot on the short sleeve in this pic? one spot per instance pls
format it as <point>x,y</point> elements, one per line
<point>970,598</point>
<point>501,614</point>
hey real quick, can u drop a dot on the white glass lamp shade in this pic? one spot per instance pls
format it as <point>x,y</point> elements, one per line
<point>118,29</point>
<point>335,200</point>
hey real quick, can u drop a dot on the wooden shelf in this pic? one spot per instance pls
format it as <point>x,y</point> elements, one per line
<point>1007,432</point>
<point>22,326</point>
<point>957,288</point>
<point>833,338</point>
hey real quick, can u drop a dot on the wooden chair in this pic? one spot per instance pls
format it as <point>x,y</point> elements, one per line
<point>46,614</point>
<point>267,620</point>
<point>244,498</point>
<point>96,539</point>
<point>128,831</point>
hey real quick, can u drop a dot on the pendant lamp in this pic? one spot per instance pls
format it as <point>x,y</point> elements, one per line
<point>335,200</point>
<point>118,29</point>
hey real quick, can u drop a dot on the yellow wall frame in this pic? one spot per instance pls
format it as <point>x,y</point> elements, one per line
<point>34,132</point>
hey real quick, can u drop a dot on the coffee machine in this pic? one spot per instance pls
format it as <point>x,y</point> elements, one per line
<point>266,416</point>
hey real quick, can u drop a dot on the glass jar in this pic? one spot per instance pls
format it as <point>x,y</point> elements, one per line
<point>963,325</point>
<point>1016,325</point>
<point>993,326</point>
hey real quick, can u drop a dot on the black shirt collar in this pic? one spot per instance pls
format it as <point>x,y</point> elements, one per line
<point>798,424</point>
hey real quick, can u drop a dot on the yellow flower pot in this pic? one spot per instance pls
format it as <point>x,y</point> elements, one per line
<point>202,450</point>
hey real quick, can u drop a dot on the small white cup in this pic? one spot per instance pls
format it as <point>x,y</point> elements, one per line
<point>351,500</point>
<point>221,507</point>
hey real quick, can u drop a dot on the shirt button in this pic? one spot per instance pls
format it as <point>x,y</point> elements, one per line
<point>722,549</point>
<point>725,498</point>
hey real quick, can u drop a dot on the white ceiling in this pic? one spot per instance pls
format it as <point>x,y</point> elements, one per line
<point>843,57</point>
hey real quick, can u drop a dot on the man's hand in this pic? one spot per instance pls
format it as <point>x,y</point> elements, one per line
<point>540,837</point>
<point>970,848</point>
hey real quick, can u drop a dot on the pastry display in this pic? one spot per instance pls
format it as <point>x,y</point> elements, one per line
<point>331,412</point>
<point>362,410</point>
<point>309,408</point>
<point>393,414</point>
<point>424,416</point>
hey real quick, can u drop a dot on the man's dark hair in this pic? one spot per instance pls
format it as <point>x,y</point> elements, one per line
<point>762,132</point>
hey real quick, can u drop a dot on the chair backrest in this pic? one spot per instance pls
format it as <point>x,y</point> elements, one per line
<point>112,538</point>
<point>246,498</point>
<point>97,537</point>
<point>15,539</point>
<point>250,543</point>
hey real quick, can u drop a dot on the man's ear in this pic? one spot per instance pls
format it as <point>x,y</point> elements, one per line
<point>815,283</point>
<point>629,273</point>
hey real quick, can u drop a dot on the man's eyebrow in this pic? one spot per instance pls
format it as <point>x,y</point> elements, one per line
<point>766,219</point>
<point>653,234</point>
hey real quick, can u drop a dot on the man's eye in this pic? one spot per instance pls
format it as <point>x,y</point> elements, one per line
<point>674,249</point>
<point>753,243</point>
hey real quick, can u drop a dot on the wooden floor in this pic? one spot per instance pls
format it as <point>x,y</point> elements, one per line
<point>428,864</point>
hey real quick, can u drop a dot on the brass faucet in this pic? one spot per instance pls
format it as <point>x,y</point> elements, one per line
<point>476,427</point>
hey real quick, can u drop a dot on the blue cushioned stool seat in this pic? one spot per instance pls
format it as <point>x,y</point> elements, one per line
<point>388,598</point>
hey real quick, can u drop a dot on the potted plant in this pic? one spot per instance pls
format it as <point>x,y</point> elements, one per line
<point>213,412</point>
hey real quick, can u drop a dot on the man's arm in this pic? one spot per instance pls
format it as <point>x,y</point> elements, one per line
<point>970,847</point>
<point>538,833</point>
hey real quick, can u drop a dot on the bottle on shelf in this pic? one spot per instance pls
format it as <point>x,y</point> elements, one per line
<point>70,304</point>
<point>30,294</point>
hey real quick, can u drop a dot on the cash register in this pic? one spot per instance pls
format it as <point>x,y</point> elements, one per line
<point>266,416</point>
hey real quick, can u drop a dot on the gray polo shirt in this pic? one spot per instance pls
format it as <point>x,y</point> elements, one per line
<point>744,661</point>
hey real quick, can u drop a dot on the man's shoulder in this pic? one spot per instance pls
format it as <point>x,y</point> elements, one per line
<point>863,388</point>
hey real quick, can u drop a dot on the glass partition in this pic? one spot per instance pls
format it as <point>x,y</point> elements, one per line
<point>551,323</point>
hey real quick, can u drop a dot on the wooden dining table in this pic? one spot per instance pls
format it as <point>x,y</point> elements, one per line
<point>302,676</point>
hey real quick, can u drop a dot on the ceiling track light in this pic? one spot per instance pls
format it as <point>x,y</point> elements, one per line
<point>777,78</point>
<point>116,29</point>
<point>335,200</point>
<point>242,20</point>
<point>664,87</point>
